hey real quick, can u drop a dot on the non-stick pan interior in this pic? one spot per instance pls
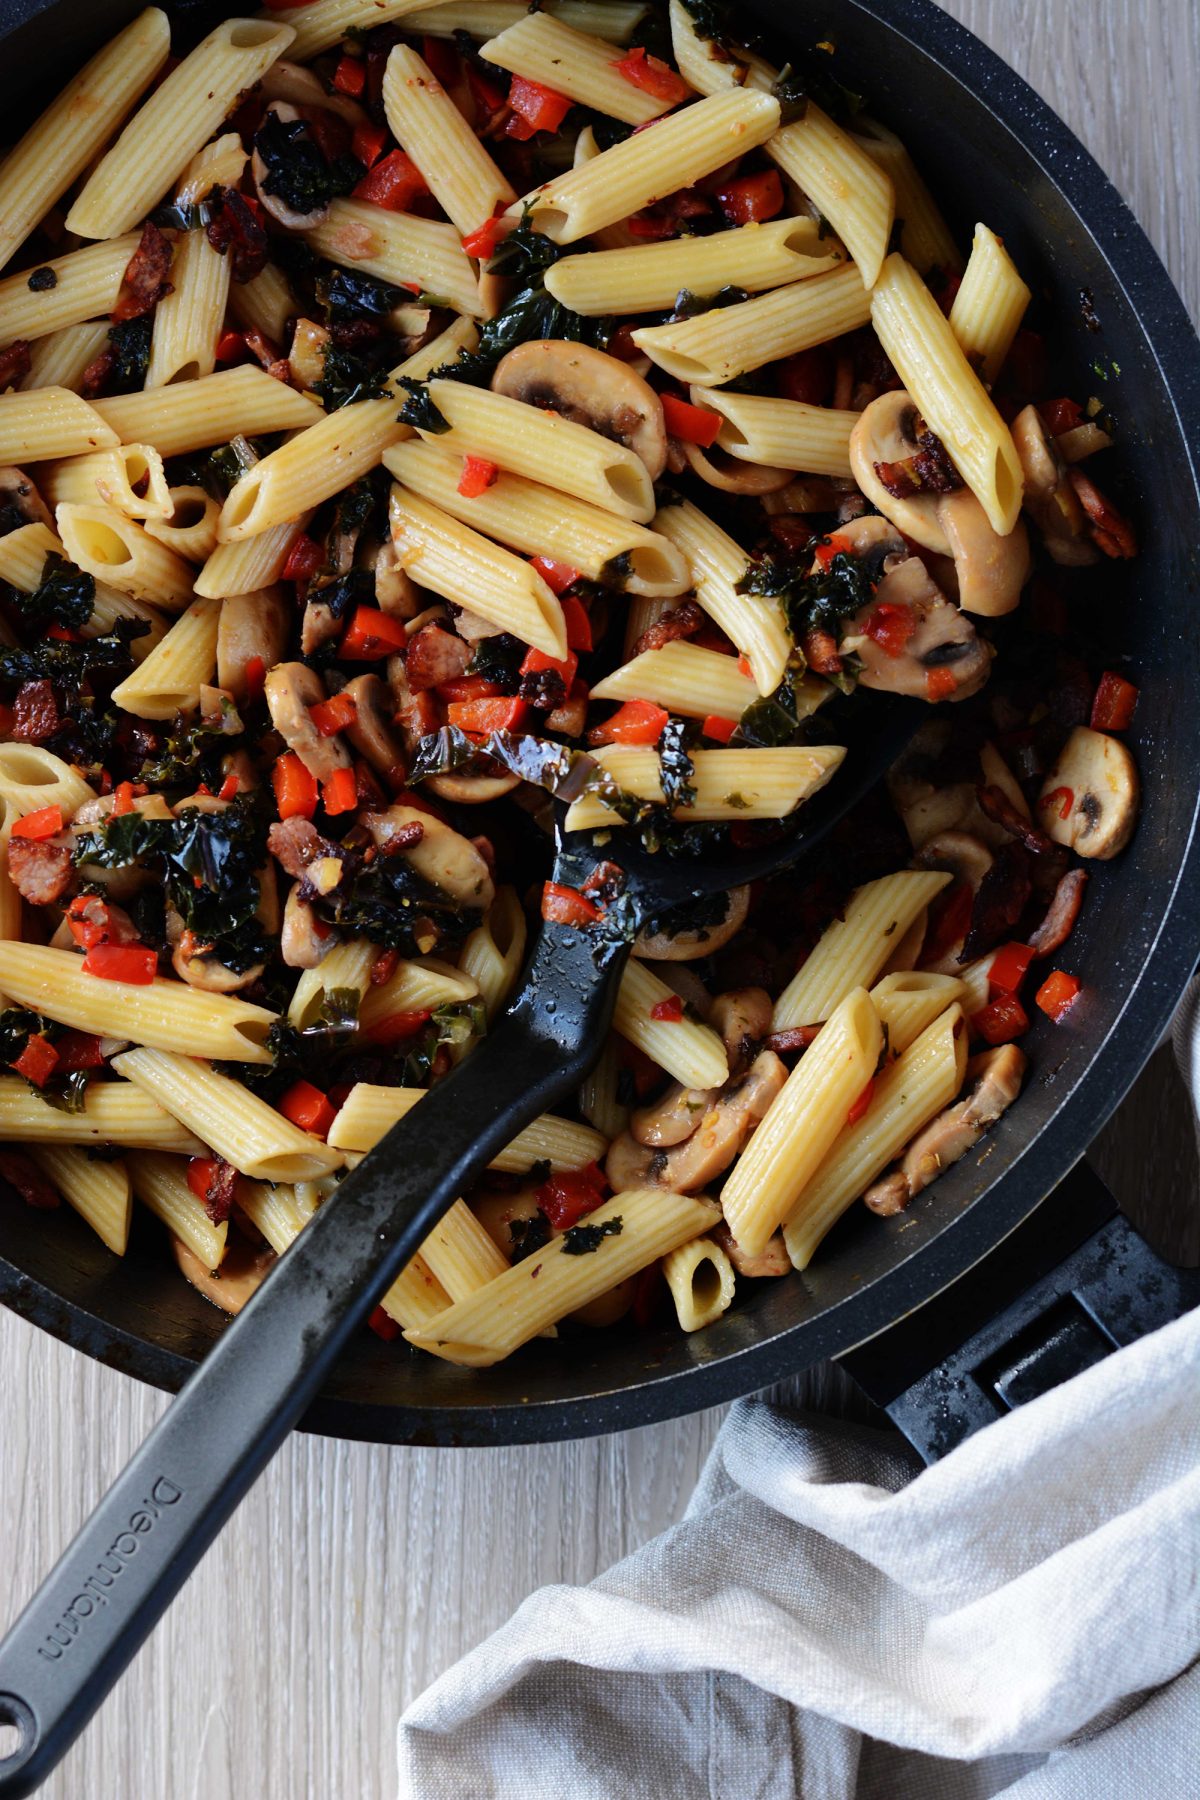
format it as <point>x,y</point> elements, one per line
<point>991,151</point>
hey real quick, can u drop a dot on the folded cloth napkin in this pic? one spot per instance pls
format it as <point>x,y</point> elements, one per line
<point>831,1620</point>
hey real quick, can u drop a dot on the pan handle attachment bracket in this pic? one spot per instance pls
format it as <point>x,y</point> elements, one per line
<point>1069,1286</point>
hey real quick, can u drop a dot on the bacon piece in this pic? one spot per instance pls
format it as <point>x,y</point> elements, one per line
<point>221,1191</point>
<point>294,843</point>
<point>232,227</point>
<point>683,621</point>
<point>999,808</point>
<point>821,653</point>
<point>1059,921</point>
<point>94,379</point>
<point>40,868</point>
<point>783,1043</point>
<point>1110,529</point>
<point>27,1178</point>
<point>434,656</point>
<point>14,362</point>
<point>404,837</point>
<point>35,713</point>
<point>145,280</point>
<point>1002,897</point>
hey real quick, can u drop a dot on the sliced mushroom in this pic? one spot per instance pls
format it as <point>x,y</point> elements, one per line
<point>395,591</point>
<point>292,82</point>
<point>250,626</point>
<point>436,851</point>
<point>960,854</point>
<point>743,1018</point>
<point>291,689</point>
<point>278,209</point>
<point>304,942</point>
<point>591,388</point>
<point>719,1136</point>
<point>943,638</point>
<point>306,358</point>
<point>731,475</point>
<point>239,1276</point>
<point>997,1075</point>
<point>886,433</point>
<point>672,1118</point>
<point>687,945</point>
<point>872,539</point>
<point>990,570</point>
<point>19,495</point>
<point>471,790</point>
<point>1050,499</point>
<point>774,1260</point>
<point>371,733</point>
<point>1089,800</point>
<point>213,977</point>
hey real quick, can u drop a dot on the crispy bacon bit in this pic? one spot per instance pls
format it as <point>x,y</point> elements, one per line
<point>1110,529</point>
<point>928,471</point>
<point>1000,809</point>
<point>233,227</point>
<point>403,838</point>
<point>94,379</point>
<point>683,621</point>
<point>40,869</point>
<point>14,362</point>
<point>434,656</point>
<point>1059,921</point>
<point>821,653</point>
<point>1002,897</point>
<point>296,842</point>
<point>35,713</point>
<point>783,1043</point>
<point>145,281</point>
<point>30,1183</point>
<point>222,1188</point>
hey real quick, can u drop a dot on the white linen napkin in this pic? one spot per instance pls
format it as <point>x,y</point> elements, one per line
<point>831,1620</point>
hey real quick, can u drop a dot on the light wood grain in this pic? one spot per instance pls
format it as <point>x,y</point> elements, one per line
<point>281,1670</point>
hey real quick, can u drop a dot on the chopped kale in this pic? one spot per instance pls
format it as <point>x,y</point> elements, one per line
<point>69,665</point>
<point>811,602</point>
<point>390,903</point>
<point>336,1015</point>
<point>767,723</point>
<point>346,377</point>
<point>712,20</point>
<point>525,253</point>
<point>193,752</point>
<point>64,596</point>
<point>344,293</point>
<point>297,171</point>
<point>131,356</point>
<point>690,306</point>
<point>675,765</point>
<point>459,1021</point>
<point>42,280</point>
<point>528,1235</point>
<point>419,410</point>
<point>697,915</point>
<point>498,660</point>
<point>341,595</point>
<point>582,1240</point>
<point>17,1025</point>
<point>608,132</point>
<point>797,85</point>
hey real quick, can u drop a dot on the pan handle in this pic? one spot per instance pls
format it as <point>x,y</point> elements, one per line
<point>1069,1286</point>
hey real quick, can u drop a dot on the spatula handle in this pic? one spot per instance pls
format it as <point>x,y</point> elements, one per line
<point>152,1527</point>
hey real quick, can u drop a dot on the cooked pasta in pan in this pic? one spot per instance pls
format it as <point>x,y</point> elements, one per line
<point>415,416</point>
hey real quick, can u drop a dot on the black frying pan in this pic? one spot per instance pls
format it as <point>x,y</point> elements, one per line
<point>990,149</point>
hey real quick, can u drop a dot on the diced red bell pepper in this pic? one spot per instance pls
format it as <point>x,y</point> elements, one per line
<point>690,424</point>
<point>340,793</point>
<point>579,626</point>
<point>558,576</point>
<point>442,60</point>
<point>64,634</point>
<point>256,678</point>
<point>307,1107</point>
<point>1060,798</point>
<point>372,635</point>
<point>229,789</point>
<point>89,921</point>
<point>720,729</point>
<point>397,1027</point>
<point>570,1196</point>
<point>668,1011</point>
<point>482,241</point>
<point>393,183</point>
<point>949,921</point>
<point>1113,707</point>
<point>304,559</point>
<point>38,1060</point>
<point>78,1050</point>
<point>644,1073</point>
<point>468,687</point>
<point>890,624</point>
<point>567,906</point>
<point>333,715</point>
<point>637,722</point>
<point>828,548</point>
<point>122,799</point>
<point>940,684</point>
<point>751,198</point>
<point>201,1171</point>
<point>231,347</point>
<point>384,967</point>
<point>534,108</point>
<point>1057,995</point>
<point>384,1326</point>
<point>47,822</point>
<point>369,143</point>
<point>1001,1020</point>
<point>350,76</point>
<point>859,1108</point>
<point>1007,969</point>
<point>478,474</point>
<point>296,790</point>
<point>653,77</point>
<point>136,964</point>
<point>538,661</point>
<point>808,376</point>
<point>1061,415</point>
<point>479,717</point>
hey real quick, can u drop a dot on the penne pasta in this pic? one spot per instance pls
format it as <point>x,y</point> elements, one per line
<point>847,187</point>
<point>852,951</point>
<point>685,679</point>
<point>32,777</point>
<point>494,952</point>
<point>347,967</point>
<point>782,434</point>
<point>170,678</point>
<point>251,564</point>
<point>427,124</point>
<point>908,1001</point>
<point>802,1123</point>
<point>542,521</point>
<point>927,356</point>
<point>121,553</point>
<point>194,415</point>
<point>460,1255</point>
<point>455,562</point>
<point>541,48</point>
<point>712,68</point>
<point>599,1097</point>
<point>222,163</point>
<point>416,1296</point>
<point>701,1281</point>
<point>910,1092</point>
<point>235,1123</point>
<point>614,20</point>
<point>648,277</point>
<point>23,556</point>
<point>276,1209</point>
<point>110,477</point>
<point>420,985</point>
<point>163,1014</point>
<point>316,24</point>
<point>716,346</point>
<point>400,248</point>
<point>180,116</point>
<point>100,1192</point>
<point>36,427</point>
<point>925,238</point>
<point>753,623</point>
<point>113,1112</point>
<point>86,284</point>
<point>160,1183</point>
<point>643,1225</point>
<point>727,784</point>
<point>62,357</point>
<point>264,304</point>
<point>190,526</point>
<point>989,305</point>
<point>688,1050</point>
<point>368,1114</point>
<point>188,320</point>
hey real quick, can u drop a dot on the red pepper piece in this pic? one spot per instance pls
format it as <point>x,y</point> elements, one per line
<point>653,77</point>
<point>571,1195</point>
<point>295,788</point>
<point>1113,707</point>
<point>690,424</point>
<point>307,1107</point>
<point>393,183</point>
<point>637,722</point>
<point>368,143</point>
<point>47,822</point>
<point>79,1050</point>
<point>940,684</point>
<point>38,1060</point>
<point>720,729</point>
<point>535,108</point>
<point>1007,969</point>
<point>384,1326</point>
<point>372,635</point>
<point>1001,1020</point>
<point>397,1027</point>
<point>1057,994</point>
<point>136,964</point>
<point>567,906</point>
<point>304,559</point>
<point>480,717</point>
<point>558,576</point>
<point>340,792</point>
<point>333,715</point>
<point>478,474</point>
<point>350,76</point>
<point>668,1011</point>
<point>890,623</point>
<point>482,241</point>
<point>751,198</point>
<point>537,661</point>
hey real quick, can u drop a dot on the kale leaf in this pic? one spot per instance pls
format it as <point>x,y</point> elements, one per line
<point>69,665</point>
<point>131,356</point>
<point>582,1240</point>
<point>347,294</point>
<point>528,1235</point>
<point>498,659</point>
<point>346,377</point>
<point>355,588</point>
<point>64,596</point>
<point>193,752</point>
<point>675,765</point>
<point>690,306</point>
<point>297,171</point>
<point>419,410</point>
<point>811,602</point>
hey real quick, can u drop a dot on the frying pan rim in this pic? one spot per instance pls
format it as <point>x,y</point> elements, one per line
<point>1054,1149</point>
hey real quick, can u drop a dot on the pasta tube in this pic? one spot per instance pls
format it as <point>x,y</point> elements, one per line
<point>727,341</point>
<point>802,1123</point>
<point>120,552</point>
<point>86,284</point>
<point>195,415</point>
<point>113,1113</point>
<point>190,527</point>
<point>251,564</point>
<point>685,679</point>
<point>23,556</point>
<point>50,422</point>
<point>989,305</point>
<point>32,777</point>
<point>424,120</point>
<point>614,20</point>
<point>188,320</point>
<point>647,277</point>
<point>399,247</point>
<point>754,624</point>
<point>848,187</point>
<point>170,678</point>
<point>316,24</point>
<point>728,784</point>
<point>61,358</point>
<point>851,952</point>
<point>701,1280</point>
<point>240,1127</point>
<point>493,954</point>
<point>687,1049</point>
<point>100,1192</point>
<point>163,1013</point>
<point>541,48</point>
<point>925,238</point>
<point>421,985</point>
<point>161,1184</point>
<point>782,434</point>
<point>910,1000</point>
<point>112,478</point>
<point>368,1114</point>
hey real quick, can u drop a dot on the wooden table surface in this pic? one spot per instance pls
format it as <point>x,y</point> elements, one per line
<point>352,1576</point>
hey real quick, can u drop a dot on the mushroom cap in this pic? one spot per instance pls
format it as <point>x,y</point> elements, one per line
<point>441,854</point>
<point>591,388</point>
<point>732,475</point>
<point>687,946</point>
<point>1095,782</point>
<point>1050,497</point>
<point>883,434</point>
<point>990,570</point>
<point>943,637</point>
<point>291,689</point>
<point>291,221</point>
<point>250,625</point>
